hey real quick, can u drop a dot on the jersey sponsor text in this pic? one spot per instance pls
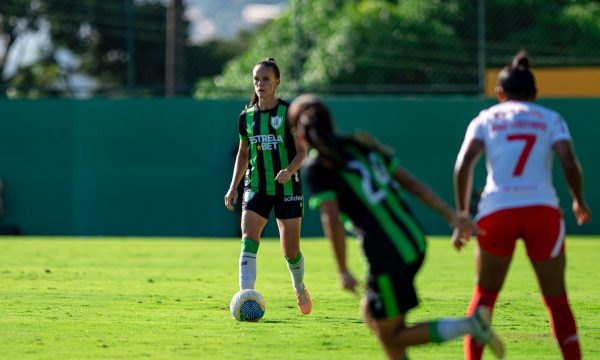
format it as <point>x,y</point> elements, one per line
<point>266,142</point>
<point>519,125</point>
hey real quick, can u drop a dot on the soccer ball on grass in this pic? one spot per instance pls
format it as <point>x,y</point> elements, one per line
<point>247,305</point>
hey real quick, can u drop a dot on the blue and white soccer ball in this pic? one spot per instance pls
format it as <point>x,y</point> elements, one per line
<point>247,305</point>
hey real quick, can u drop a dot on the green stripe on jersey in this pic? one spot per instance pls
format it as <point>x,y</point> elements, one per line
<point>283,154</point>
<point>395,234</point>
<point>394,164</point>
<point>250,115</point>
<point>348,224</point>
<point>267,156</point>
<point>391,199</point>
<point>387,295</point>
<point>394,204</point>
<point>370,165</point>
<point>409,221</point>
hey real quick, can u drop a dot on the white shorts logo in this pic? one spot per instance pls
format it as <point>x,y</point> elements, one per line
<point>292,198</point>
<point>248,195</point>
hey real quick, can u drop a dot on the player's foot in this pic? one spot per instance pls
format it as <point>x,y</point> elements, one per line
<point>303,300</point>
<point>481,331</point>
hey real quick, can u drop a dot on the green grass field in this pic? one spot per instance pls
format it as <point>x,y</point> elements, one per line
<point>129,298</point>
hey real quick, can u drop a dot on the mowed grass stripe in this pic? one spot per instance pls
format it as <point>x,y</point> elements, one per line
<point>159,298</point>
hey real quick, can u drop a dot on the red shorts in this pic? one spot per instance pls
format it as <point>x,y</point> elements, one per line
<point>541,228</point>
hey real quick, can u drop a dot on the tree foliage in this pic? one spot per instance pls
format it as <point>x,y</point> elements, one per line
<point>556,33</point>
<point>410,44</point>
<point>344,46</point>
<point>95,32</point>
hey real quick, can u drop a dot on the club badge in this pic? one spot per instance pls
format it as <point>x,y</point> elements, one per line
<point>276,121</point>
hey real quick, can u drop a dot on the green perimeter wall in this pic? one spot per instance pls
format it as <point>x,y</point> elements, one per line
<point>161,167</point>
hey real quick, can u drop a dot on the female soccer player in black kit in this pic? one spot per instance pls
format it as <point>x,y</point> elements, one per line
<point>272,157</point>
<point>354,178</point>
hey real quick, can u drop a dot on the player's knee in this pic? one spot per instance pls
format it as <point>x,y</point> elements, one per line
<point>290,249</point>
<point>392,337</point>
<point>397,336</point>
<point>291,254</point>
<point>393,343</point>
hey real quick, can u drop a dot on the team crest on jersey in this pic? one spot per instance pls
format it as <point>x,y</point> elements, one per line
<point>276,121</point>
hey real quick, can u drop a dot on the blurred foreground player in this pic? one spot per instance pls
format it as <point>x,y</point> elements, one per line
<point>356,179</point>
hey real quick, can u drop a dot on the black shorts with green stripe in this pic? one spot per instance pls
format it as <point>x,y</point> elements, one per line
<point>285,206</point>
<point>393,294</point>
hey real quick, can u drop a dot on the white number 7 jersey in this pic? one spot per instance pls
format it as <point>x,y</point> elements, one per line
<point>518,138</point>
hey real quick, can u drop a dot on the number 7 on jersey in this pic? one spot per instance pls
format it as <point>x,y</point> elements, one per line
<point>529,142</point>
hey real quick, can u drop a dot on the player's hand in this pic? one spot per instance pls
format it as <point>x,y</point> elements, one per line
<point>283,176</point>
<point>462,226</point>
<point>231,199</point>
<point>582,212</point>
<point>460,239</point>
<point>348,282</point>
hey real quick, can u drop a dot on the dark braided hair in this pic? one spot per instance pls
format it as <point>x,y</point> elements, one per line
<point>270,62</point>
<point>516,80</point>
<point>313,120</point>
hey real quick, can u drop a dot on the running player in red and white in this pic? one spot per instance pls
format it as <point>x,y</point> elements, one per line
<point>519,139</point>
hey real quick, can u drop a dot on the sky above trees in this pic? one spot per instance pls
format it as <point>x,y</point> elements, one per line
<point>225,18</point>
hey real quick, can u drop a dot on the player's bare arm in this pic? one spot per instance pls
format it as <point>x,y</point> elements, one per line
<point>432,200</point>
<point>241,164</point>
<point>463,173</point>
<point>459,221</point>
<point>574,177</point>
<point>334,230</point>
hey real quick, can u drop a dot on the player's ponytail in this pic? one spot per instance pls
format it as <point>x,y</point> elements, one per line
<point>270,62</point>
<point>516,80</point>
<point>312,118</point>
<point>521,60</point>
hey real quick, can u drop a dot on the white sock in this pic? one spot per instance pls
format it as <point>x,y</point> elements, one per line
<point>247,265</point>
<point>452,328</point>
<point>296,267</point>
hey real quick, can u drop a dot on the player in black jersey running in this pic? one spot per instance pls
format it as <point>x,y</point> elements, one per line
<point>271,158</point>
<point>354,178</point>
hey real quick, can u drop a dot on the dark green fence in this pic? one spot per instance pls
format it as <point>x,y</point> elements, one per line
<point>162,167</point>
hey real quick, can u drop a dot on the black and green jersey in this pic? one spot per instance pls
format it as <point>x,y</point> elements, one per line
<point>372,200</point>
<point>272,148</point>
